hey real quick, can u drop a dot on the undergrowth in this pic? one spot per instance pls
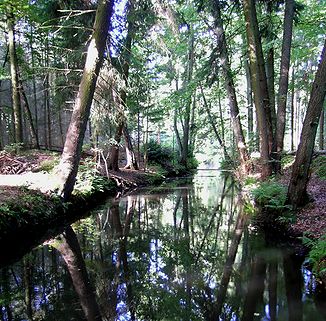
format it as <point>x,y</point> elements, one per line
<point>270,195</point>
<point>317,254</point>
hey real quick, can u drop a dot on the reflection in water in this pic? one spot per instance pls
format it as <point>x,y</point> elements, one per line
<point>183,253</point>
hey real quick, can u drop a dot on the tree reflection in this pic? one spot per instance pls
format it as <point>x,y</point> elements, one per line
<point>183,254</point>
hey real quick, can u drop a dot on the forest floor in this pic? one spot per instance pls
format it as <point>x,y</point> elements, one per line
<point>26,171</point>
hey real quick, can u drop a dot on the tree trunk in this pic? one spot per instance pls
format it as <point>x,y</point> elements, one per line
<point>250,107</point>
<point>283,82</point>
<point>14,81</point>
<point>126,56</point>
<point>69,249</point>
<point>188,101</point>
<point>321,129</point>
<point>130,154</point>
<point>292,110</point>
<point>297,192</point>
<point>211,120</point>
<point>230,89</point>
<point>113,162</point>
<point>270,70</point>
<point>35,142</point>
<point>74,139</point>
<point>259,85</point>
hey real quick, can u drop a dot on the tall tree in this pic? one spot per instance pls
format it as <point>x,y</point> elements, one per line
<point>297,192</point>
<point>17,110</point>
<point>70,158</point>
<point>224,61</point>
<point>283,81</point>
<point>121,126</point>
<point>259,85</point>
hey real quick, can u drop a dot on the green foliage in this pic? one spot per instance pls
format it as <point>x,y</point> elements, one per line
<point>250,180</point>
<point>14,148</point>
<point>271,195</point>
<point>159,154</point>
<point>48,165</point>
<point>317,254</point>
<point>89,179</point>
<point>319,166</point>
<point>287,161</point>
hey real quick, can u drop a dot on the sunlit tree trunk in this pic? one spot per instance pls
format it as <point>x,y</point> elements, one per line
<point>321,129</point>
<point>188,101</point>
<point>130,154</point>
<point>297,192</point>
<point>122,127</point>
<point>17,112</point>
<point>211,121</point>
<point>250,107</point>
<point>283,82</point>
<point>270,69</point>
<point>292,110</point>
<point>74,139</point>
<point>230,89</point>
<point>259,85</point>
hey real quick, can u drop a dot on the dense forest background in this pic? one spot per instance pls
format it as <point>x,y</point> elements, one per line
<point>176,73</point>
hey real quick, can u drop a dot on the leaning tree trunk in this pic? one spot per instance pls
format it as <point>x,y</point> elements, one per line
<point>230,89</point>
<point>259,85</point>
<point>14,81</point>
<point>297,192</point>
<point>283,82</point>
<point>74,140</point>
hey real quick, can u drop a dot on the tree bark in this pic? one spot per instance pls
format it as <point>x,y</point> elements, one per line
<point>130,154</point>
<point>74,140</point>
<point>259,85</point>
<point>283,82</point>
<point>126,57</point>
<point>321,129</point>
<point>15,81</point>
<point>270,69</point>
<point>188,100</point>
<point>35,141</point>
<point>211,120</point>
<point>230,89</point>
<point>297,192</point>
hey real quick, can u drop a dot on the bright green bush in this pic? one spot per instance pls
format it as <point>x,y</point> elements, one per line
<point>270,195</point>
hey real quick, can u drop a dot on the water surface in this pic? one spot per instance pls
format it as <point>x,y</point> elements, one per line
<point>181,252</point>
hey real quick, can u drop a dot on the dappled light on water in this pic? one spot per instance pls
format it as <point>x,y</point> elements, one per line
<point>179,252</point>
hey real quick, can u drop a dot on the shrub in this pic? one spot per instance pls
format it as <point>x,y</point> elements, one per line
<point>14,148</point>
<point>317,254</point>
<point>158,153</point>
<point>270,195</point>
<point>48,165</point>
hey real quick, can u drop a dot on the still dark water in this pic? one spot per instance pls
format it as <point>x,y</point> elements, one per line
<point>178,253</point>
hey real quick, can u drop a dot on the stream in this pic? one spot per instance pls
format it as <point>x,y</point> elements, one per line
<point>184,251</point>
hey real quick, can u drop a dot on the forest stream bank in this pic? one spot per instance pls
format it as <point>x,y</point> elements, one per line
<point>30,210</point>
